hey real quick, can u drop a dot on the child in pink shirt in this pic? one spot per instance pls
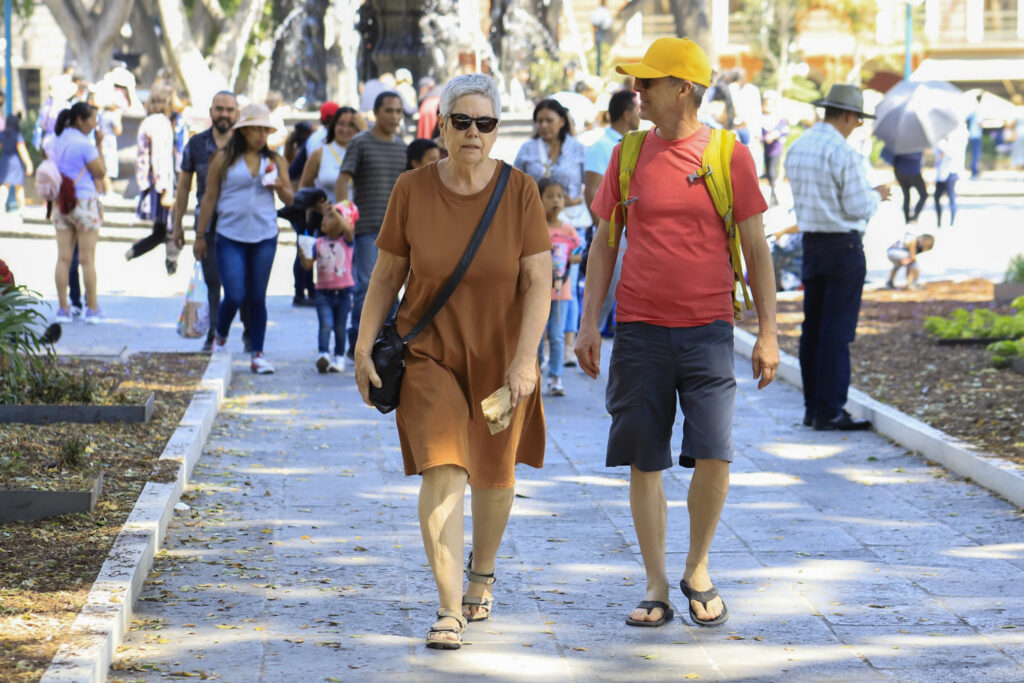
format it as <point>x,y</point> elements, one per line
<point>565,250</point>
<point>332,256</point>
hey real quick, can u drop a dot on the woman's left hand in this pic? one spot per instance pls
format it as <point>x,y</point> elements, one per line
<point>366,374</point>
<point>521,378</point>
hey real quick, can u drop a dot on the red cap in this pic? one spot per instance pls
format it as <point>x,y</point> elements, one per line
<point>327,110</point>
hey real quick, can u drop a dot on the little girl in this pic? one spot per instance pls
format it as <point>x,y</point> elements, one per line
<point>332,254</point>
<point>565,244</point>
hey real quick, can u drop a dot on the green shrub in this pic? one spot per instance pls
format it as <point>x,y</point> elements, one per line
<point>1003,352</point>
<point>23,351</point>
<point>981,323</point>
<point>1015,270</point>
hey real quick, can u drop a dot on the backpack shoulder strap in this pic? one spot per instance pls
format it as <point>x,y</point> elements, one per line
<point>628,155</point>
<point>717,173</point>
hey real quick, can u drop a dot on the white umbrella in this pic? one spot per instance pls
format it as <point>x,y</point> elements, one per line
<point>915,115</point>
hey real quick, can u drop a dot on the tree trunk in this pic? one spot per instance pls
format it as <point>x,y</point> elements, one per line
<point>228,50</point>
<point>91,33</point>
<point>146,42</point>
<point>206,22</point>
<point>693,21</point>
<point>185,56</point>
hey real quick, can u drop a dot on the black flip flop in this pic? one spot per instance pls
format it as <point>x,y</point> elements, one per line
<point>667,613</point>
<point>703,597</point>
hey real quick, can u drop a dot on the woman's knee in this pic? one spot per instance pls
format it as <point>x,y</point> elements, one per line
<point>444,476</point>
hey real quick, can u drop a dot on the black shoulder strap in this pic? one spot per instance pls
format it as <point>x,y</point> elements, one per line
<point>456,277</point>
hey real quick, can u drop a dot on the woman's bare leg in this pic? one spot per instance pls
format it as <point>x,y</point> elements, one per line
<point>65,248</point>
<point>491,508</point>
<point>87,240</point>
<point>442,493</point>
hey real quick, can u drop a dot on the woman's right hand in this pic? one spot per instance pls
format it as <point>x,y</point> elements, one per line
<point>199,248</point>
<point>366,374</point>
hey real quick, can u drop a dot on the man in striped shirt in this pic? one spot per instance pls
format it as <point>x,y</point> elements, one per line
<point>833,202</point>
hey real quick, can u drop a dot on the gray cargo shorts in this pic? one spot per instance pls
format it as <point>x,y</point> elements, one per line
<point>652,365</point>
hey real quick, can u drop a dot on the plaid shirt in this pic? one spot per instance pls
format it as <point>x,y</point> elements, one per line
<point>830,185</point>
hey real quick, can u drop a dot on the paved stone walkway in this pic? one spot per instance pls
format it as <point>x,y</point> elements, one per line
<point>841,557</point>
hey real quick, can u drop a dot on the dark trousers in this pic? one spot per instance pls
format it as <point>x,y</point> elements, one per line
<point>159,235</point>
<point>915,181</point>
<point>332,307</point>
<point>947,186</point>
<point>833,277</point>
<point>304,286</point>
<point>211,274</point>
<point>771,171</point>
<point>974,144</point>
<point>74,285</point>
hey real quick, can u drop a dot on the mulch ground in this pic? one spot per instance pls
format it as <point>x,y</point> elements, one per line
<point>47,567</point>
<point>951,388</point>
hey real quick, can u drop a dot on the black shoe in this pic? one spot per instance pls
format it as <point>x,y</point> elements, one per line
<point>171,266</point>
<point>207,346</point>
<point>808,420</point>
<point>843,422</point>
<point>298,300</point>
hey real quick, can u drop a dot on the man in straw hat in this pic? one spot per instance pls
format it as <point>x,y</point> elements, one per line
<point>674,335</point>
<point>833,202</point>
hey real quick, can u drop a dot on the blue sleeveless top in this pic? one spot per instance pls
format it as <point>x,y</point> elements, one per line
<point>245,207</point>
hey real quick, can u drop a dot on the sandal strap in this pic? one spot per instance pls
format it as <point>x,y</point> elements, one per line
<point>703,597</point>
<point>478,602</point>
<point>654,604</point>
<point>451,614</point>
<point>473,576</point>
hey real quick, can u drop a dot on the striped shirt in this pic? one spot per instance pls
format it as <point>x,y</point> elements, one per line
<point>831,192</point>
<point>374,165</point>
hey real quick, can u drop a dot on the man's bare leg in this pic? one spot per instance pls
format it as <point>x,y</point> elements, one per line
<point>705,500</point>
<point>650,518</point>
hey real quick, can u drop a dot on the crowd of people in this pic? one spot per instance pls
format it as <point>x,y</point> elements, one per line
<point>573,239</point>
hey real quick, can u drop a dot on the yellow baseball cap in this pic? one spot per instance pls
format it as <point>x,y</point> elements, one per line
<point>679,57</point>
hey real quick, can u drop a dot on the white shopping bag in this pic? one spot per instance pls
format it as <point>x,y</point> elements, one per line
<point>194,320</point>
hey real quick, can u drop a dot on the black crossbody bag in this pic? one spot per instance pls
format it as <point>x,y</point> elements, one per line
<point>388,352</point>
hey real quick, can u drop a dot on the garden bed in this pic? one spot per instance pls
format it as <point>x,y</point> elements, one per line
<point>47,567</point>
<point>951,388</point>
<point>82,414</point>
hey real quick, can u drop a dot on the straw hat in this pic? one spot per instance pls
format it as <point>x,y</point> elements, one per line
<point>254,115</point>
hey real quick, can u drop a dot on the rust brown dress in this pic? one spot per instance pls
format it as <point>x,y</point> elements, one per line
<point>462,356</point>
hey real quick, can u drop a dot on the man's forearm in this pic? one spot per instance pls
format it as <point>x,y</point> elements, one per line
<point>181,196</point>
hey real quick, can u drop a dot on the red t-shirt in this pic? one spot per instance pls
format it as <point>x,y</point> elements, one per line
<point>676,270</point>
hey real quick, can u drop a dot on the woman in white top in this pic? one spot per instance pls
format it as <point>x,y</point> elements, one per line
<point>324,164</point>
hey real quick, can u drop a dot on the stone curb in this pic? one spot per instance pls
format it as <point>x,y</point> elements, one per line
<point>998,475</point>
<point>100,627</point>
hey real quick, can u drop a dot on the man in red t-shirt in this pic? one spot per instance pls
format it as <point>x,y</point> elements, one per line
<point>674,334</point>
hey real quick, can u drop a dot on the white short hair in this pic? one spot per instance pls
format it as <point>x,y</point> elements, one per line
<point>470,84</point>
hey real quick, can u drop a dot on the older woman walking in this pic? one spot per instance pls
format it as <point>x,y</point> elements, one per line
<point>555,153</point>
<point>240,187</point>
<point>485,337</point>
<point>154,172</point>
<point>78,221</point>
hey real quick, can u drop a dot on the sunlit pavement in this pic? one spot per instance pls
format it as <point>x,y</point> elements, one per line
<point>841,557</point>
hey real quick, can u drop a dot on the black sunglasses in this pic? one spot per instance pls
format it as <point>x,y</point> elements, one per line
<point>484,124</point>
